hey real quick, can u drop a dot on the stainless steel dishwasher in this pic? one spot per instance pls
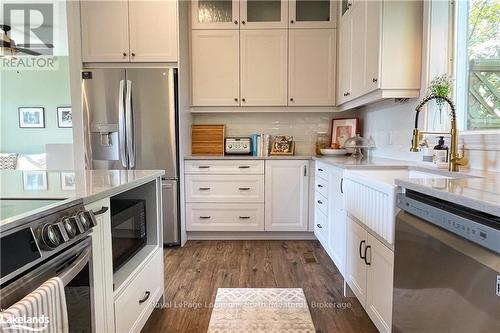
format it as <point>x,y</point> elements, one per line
<point>446,267</point>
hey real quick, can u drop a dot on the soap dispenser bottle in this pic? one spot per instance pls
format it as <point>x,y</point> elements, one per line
<point>441,151</point>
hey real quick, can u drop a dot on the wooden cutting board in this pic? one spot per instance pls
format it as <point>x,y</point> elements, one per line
<point>207,139</point>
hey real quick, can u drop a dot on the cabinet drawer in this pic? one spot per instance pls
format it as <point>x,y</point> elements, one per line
<point>224,217</point>
<point>220,188</point>
<point>227,167</point>
<point>321,227</point>
<point>321,202</point>
<point>321,186</point>
<point>321,170</point>
<point>134,305</point>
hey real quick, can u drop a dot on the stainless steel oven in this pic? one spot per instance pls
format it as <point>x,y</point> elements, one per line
<point>128,229</point>
<point>446,267</point>
<point>54,243</point>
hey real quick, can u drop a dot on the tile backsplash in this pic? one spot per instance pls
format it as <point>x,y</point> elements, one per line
<point>301,125</point>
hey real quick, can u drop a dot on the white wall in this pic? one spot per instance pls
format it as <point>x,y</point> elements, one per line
<point>391,125</point>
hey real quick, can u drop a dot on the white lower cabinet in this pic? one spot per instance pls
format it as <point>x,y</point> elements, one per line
<point>370,266</point>
<point>247,195</point>
<point>135,304</point>
<point>102,268</point>
<point>286,195</point>
<point>330,212</point>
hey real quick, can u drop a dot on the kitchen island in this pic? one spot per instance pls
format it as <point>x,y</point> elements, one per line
<point>126,262</point>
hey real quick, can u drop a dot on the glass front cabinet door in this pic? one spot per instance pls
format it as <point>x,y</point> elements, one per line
<point>215,14</point>
<point>263,14</point>
<point>312,14</point>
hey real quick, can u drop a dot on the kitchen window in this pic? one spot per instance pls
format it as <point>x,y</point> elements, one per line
<point>477,64</point>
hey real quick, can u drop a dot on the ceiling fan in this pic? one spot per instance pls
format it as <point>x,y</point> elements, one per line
<point>8,47</point>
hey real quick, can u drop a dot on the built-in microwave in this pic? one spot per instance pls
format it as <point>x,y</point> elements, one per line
<point>128,229</point>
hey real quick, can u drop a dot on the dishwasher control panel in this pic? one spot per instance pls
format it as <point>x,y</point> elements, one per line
<point>467,228</point>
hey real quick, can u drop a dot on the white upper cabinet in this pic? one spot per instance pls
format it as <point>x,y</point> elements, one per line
<point>267,14</point>
<point>384,59</point>
<point>312,14</point>
<point>286,195</point>
<point>263,67</point>
<point>344,61</point>
<point>215,14</point>
<point>105,34</point>
<point>129,31</point>
<point>215,67</point>
<point>153,31</point>
<point>312,55</point>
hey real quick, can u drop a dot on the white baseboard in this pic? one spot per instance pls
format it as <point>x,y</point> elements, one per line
<point>248,235</point>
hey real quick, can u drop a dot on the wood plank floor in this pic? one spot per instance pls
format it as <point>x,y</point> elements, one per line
<point>193,274</point>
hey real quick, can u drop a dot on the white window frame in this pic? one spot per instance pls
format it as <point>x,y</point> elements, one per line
<point>472,140</point>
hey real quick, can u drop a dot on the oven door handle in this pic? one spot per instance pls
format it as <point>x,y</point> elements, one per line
<point>76,267</point>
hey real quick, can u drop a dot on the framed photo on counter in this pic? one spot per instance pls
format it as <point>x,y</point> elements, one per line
<point>31,117</point>
<point>343,129</point>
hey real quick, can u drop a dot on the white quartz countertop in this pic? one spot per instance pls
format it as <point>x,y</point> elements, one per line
<point>67,186</point>
<point>247,157</point>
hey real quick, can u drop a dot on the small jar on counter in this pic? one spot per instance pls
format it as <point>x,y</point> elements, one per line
<point>322,142</point>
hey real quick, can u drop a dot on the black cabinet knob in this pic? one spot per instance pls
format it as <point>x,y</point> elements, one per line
<point>292,21</point>
<point>235,22</point>
<point>243,100</point>
<point>124,54</point>
<point>374,80</point>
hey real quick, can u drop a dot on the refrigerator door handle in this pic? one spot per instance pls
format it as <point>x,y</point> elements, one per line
<point>171,113</point>
<point>121,125</point>
<point>129,123</point>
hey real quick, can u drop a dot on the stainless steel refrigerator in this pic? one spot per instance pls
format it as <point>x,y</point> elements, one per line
<point>130,118</point>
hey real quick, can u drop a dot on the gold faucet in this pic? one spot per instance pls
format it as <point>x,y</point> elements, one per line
<point>454,160</point>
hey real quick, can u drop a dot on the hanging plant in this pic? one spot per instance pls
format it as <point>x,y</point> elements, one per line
<point>441,86</point>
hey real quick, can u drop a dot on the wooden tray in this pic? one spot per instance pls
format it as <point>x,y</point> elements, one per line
<point>207,140</point>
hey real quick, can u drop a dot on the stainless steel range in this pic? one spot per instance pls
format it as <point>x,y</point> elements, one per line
<point>53,242</point>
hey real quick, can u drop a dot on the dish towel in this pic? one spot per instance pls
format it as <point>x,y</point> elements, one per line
<point>43,310</point>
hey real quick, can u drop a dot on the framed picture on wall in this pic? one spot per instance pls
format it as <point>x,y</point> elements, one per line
<point>35,180</point>
<point>343,129</point>
<point>68,181</point>
<point>31,117</point>
<point>64,117</point>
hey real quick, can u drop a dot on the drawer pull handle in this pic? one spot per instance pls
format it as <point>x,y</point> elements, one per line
<point>244,188</point>
<point>204,167</point>
<point>320,202</point>
<point>205,217</point>
<point>244,217</point>
<point>320,170</point>
<point>319,185</point>
<point>101,211</point>
<point>204,188</point>
<point>319,226</point>
<point>145,298</point>
<point>244,166</point>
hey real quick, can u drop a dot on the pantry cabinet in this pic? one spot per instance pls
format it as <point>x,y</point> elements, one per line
<point>370,267</point>
<point>286,195</point>
<point>263,67</point>
<point>215,74</point>
<point>129,31</point>
<point>215,14</point>
<point>249,53</point>
<point>311,67</point>
<point>379,51</point>
<point>258,14</point>
<point>312,14</point>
